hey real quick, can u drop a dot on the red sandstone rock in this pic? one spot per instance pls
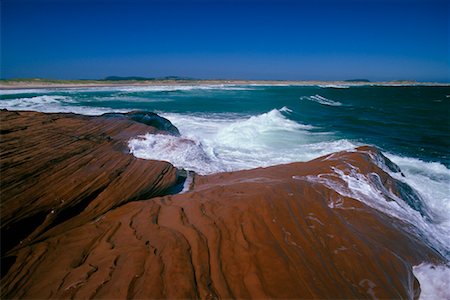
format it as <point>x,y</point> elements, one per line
<point>262,233</point>
<point>55,167</point>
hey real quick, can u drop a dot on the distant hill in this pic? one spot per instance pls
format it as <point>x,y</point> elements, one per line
<point>120,78</point>
<point>357,80</point>
<point>138,78</point>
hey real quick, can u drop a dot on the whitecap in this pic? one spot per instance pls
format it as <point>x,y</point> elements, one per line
<point>170,88</point>
<point>33,102</point>
<point>126,98</point>
<point>322,100</point>
<point>130,89</point>
<point>53,104</point>
<point>286,109</point>
<point>23,91</point>
<point>335,86</point>
<point>181,152</point>
<point>232,142</point>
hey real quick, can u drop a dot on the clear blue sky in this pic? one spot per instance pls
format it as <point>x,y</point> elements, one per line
<point>325,40</point>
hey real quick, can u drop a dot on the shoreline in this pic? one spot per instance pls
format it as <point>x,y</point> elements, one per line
<point>19,84</point>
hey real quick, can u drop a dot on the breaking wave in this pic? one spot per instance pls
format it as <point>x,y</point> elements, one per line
<point>180,152</point>
<point>418,205</point>
<point>25,91</point>
<point>53,104</point>
<point>321,100</point>
<point>335,86</point>
<point>170,88</point>
<point>229,142</point>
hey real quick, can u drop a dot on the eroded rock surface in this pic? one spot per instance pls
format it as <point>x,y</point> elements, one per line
<point>278,232</point>
<point>66,169</point>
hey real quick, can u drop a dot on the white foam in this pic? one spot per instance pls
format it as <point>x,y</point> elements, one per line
<point>227,142</point>
<point>127,98</point>
<point>37,100</point>
<point>369,189</point>
<point>170,88</point>
<point>321,100</point>
<point>286,109</point>
<point>335,86</point>
<point>181,152</point>
<point>131,89</point>
<point>53,104</point>
<point>23,91</point>
<point>431,180</point>
<point>187,182</point>
<point>434,281</point>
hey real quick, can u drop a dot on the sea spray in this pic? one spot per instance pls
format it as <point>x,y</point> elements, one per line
<point>181,152</point>
<point>434,281</point>
<point>230,142</point>
<point>54,104</point>
<point>429,221</point>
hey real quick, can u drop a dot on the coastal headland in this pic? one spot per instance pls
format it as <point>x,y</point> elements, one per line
<point>83,218</point>
<point>48,83</point>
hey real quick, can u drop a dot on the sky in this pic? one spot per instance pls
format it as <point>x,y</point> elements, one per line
<point>226,39</point>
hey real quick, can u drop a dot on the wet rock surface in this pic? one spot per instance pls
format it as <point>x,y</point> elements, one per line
<point>59,168</point>
<point>147,118</point>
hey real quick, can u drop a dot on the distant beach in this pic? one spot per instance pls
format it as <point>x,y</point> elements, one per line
<point>44,83</point>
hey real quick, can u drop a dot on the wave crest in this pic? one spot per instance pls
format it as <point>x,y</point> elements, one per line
<point>181,152</point>
<point>53,104</point>
<point>412,204</point>
<point>321,100</point>
<point>219,143</point>
<point>334,86</point>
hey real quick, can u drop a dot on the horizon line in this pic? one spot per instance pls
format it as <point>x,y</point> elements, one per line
<point>115,78</point>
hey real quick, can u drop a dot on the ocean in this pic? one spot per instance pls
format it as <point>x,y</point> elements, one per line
<point>234,127</point>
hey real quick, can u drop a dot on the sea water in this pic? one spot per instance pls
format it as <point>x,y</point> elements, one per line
<point>234,127</point>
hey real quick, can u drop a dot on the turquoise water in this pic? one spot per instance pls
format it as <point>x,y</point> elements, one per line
<point>410,121</point>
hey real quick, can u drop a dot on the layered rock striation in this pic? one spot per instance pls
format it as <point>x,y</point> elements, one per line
<point>82,218</point>
<point>66,168</point>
